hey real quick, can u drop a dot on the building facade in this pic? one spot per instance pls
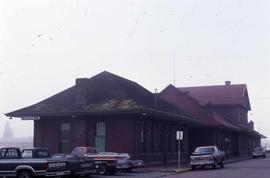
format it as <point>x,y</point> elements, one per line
<point>223,109</point>
<point>114,114</point>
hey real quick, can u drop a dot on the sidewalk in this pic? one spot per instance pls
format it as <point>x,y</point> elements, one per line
<point>184,166</point>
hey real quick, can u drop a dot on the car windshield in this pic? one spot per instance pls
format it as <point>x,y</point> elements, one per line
<point>123,154</point>
<point>107,153</point>
<point>204,150</point>
<point>258,149</point>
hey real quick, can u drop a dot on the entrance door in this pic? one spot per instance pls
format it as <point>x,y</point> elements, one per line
<point>100,137</point>
<point>65,128</point>
<point>100,143</point>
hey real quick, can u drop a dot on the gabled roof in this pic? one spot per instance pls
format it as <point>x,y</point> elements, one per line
<point>220,95</point>
<point>103,93</point>
<point>189,105</point>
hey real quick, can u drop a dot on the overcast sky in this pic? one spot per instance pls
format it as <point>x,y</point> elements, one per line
<point>46,44</point>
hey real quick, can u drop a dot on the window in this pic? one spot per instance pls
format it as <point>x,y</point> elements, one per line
<point>65,126</point>
<point>43,154</point>
<point>100,126</point>
<point>10,153</point>
<point>3,152</point>
<point>27,154</point>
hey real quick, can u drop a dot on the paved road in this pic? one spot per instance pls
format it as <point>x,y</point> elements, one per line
<point>258,168</point>
<point>137,174</point>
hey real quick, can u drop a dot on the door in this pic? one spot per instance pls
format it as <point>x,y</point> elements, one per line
<point>100,141</point>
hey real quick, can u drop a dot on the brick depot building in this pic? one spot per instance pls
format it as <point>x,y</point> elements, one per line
<point>114,114</point>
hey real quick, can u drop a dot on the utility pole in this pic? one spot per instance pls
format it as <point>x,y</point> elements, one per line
<point>155,98</point>
<point>174,67</point>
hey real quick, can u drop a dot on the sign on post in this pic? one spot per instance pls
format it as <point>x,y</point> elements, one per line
<point>179,135</point>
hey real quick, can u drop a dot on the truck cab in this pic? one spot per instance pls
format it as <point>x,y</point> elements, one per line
<point>12,164</point>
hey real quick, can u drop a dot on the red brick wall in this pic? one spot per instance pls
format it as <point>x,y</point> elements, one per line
<point>78,133</point>
<point>120,135</point>
<point>46,134</point>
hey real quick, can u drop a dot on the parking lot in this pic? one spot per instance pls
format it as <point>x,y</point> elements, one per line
<point>137,173</point>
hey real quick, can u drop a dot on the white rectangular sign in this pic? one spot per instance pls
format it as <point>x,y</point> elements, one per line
<point>26,118</point>
<point>179,135</point>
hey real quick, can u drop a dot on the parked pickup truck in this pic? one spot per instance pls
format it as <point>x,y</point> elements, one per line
<point>207,155</point>
<point>77,166</point>
<point>13,165</point>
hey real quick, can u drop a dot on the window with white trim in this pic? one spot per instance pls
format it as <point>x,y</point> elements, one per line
<point>100,126</point>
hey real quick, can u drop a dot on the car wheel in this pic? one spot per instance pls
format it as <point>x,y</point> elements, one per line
<point>221,164</point>
<point>25,174</point>
<point>87,175</point>
<point>254,157</point>
<point>193,167</point>
<point>129,170</point>
<point>102,169</point>
<point>112,172</point>
<point>264,156</point>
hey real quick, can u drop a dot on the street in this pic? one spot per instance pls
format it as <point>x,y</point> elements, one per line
<point>244,169</point>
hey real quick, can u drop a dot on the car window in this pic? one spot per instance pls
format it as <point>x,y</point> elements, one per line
<point>91,150</point>
<point>258,149</point>
<point>106,153</point>
<point>205,150</point>
<point>27,154</point>
<point>11,153</point>
<point>43,154</point>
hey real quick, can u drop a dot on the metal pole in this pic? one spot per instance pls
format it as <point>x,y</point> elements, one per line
<point>179,153</point>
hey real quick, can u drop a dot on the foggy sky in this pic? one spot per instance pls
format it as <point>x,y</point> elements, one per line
<point>46,45</point>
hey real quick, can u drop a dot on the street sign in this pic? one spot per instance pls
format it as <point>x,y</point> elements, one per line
<point>179,135</point>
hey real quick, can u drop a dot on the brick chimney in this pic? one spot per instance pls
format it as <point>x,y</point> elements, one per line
<point>81,91</point>
<point>251,125</point>
<point>227,83</point>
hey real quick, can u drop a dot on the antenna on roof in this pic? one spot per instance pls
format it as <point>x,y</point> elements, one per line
<point>174,67</point>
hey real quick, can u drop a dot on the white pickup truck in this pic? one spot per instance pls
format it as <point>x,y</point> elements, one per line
<point>207,155</point>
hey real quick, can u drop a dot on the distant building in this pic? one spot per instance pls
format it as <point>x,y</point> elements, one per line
<point>7,132</point>
<point>17,142</point>
<point>114,114</point>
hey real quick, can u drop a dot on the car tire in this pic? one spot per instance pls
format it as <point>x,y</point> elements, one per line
<point>87,175</point>
<point>221,164</point>
<point>102,169</point>
<point>24,174</point>
<point>193,167</point>
<point>264,156</point>
<point>129,170</point>
<point>254,157</point>
<point>112,172</point>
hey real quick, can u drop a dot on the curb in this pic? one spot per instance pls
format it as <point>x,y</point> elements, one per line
<point>237,160</point>
<point>178,171</point>
<point>182,170</point>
